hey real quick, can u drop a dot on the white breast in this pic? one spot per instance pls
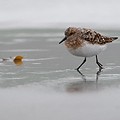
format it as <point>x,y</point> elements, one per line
<point>88,50</point>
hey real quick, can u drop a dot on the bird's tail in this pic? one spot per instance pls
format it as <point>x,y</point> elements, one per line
<point>110,39</point>
<point>114,38</point>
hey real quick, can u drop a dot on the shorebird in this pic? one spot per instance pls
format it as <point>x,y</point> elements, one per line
<point>85,43</point>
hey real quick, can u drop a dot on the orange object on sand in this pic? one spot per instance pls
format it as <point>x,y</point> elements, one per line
<point>18,60</point>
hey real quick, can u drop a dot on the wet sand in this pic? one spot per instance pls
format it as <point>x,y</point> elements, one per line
<point>47,86</point>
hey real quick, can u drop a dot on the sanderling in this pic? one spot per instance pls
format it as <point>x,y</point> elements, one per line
<point>85,43</point>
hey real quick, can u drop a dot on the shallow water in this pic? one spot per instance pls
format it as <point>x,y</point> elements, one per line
<point>47,86</point>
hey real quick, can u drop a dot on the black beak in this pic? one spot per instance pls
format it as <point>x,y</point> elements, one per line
<point>63,40</point>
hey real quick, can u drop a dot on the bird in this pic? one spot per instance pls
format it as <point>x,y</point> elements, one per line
<point>84,42</point>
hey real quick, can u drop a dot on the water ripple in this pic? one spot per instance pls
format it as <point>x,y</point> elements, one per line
<point>51,72</point>
<point>25,50</point>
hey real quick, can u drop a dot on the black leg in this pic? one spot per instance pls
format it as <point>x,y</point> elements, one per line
<point>99,64</point>
<point>81,64</point>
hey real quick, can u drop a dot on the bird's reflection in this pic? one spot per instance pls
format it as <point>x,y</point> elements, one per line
<point>81,86</point>
<point>85,85</point>
<point>98,74</point>
<point>84,77</point>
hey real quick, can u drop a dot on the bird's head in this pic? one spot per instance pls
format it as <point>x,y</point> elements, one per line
<point>69,31</point>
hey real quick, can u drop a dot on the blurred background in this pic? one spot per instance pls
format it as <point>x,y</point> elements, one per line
<point>56,13</point>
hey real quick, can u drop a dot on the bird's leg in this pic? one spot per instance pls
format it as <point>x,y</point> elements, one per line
<point>81,64</point>
<point>98,63</point>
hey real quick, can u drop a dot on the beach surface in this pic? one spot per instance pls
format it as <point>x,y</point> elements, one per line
<point>46,86</point>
